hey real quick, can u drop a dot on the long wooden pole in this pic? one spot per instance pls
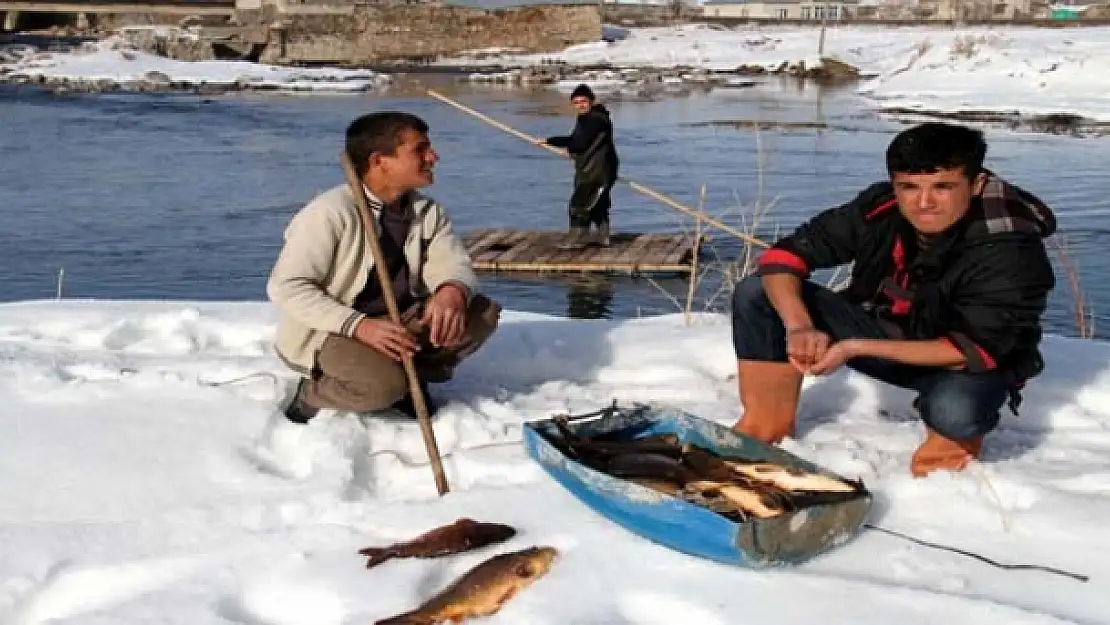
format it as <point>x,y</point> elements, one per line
<point>655,195</point>
<point>370,228</point>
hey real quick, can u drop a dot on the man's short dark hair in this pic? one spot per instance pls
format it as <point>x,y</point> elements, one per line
<point>583,91</point>
<point>932,146</point>
<point>378,133</point>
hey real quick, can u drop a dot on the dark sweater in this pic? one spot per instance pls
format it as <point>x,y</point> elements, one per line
<point>395,224</point>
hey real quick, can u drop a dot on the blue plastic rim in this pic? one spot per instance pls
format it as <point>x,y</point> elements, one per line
<point>669,521</point>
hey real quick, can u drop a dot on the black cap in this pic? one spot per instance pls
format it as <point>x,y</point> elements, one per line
<point>582,90</point>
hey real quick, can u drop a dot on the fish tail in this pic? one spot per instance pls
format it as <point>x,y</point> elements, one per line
<point>408,618</point>
<point>376,555</point>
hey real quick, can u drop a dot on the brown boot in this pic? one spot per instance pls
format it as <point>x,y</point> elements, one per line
<point>769,393</point>
<point>940,453</point>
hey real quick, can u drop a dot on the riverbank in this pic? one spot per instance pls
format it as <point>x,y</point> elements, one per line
<point>113,64</point>
<point>1015,75</point>
<point>1024,78</point>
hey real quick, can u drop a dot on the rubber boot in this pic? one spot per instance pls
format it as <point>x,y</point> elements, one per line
<point>576,240</point>
<point>940,453</point>
<point>603,234</point>
<point>769,392</point>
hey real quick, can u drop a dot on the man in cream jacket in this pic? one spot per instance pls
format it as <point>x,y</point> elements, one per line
<point>334,328</point>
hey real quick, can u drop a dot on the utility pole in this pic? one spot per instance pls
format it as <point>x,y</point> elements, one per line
<point>824,20</point>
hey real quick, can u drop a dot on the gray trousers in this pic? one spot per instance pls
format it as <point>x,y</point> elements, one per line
<point>352,376</point>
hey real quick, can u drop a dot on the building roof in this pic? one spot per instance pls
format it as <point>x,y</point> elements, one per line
<point>504,4</point>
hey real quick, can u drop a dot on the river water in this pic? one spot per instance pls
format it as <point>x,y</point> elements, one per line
<point>185,197</point>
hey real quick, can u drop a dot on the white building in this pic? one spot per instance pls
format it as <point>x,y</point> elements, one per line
<point>780,9</point>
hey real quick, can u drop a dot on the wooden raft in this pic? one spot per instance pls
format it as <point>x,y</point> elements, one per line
<point>523,250</point>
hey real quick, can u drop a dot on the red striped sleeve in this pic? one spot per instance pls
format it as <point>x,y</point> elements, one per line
<point>978,359</point>
<point>777,260</point>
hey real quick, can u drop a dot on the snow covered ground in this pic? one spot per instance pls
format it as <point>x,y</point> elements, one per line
<point>113,61</point>
<point>1031,71</point>
<point>132,492</point>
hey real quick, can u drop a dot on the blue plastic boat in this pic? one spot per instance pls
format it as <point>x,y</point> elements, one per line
<point>790,538</point>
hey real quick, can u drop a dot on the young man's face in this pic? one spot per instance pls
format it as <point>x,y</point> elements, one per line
<point>933,202</point>
<point>411,165</point>
<point>581,104</point>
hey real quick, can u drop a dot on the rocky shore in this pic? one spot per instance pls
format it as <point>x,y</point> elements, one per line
<point>1056,123</point>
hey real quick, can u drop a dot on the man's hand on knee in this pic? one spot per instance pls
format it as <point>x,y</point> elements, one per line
<point>387,337</point>
<point>805,347</point>
<point>834,358</point>
<point>445,316</point>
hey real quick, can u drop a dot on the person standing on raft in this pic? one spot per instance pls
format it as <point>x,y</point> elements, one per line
<point>595,169</point>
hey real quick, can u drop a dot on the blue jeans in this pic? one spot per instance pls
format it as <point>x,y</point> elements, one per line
<point>956,404</point>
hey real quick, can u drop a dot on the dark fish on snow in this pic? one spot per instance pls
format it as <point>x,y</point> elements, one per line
<point>651,466</point>
<point>462,535</point>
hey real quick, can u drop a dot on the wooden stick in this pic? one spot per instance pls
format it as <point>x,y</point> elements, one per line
<point>655,195</point>
<point>370,228</point>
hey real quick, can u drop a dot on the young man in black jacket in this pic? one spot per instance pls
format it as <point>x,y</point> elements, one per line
<point>595,168</point>
<point>950,278</point>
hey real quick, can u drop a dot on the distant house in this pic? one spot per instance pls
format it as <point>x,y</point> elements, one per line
<point>501,4</point>
<point>780,9</point>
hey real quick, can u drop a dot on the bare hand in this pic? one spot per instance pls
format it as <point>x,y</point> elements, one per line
<point>387,337</point>
<point>805,347</point>
<point>834,358</point>
<point>445,316</point>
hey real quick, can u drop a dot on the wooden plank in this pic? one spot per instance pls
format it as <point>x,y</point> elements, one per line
<point>575,266</point>
<point>487,238</point>
<point>537,251</point>
<point>523,243</point>
<point>635,250</point>
<point>679,251</point>
<point>497,248</point>
<point>606,254</point>
<point>591,254</point>
<point>613,253</point>
<point>672,252</point>
<point>546,253</point>
<point>685,254</point>
<point>472,237</point>
<point>654,252</point>
<point>530,247</point>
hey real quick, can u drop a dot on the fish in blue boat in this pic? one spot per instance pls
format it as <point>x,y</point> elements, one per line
<point>697,486</point>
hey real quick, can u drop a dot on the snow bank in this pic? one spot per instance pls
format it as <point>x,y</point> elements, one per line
<point>111,63</point>
<point>134,492</point>
<point>1026,72</point>
<point>1030,71</point>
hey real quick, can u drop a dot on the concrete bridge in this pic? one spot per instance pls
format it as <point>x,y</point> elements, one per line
<point>12,10</point>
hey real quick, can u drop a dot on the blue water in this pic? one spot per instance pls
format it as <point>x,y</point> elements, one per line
<point>186,197</point>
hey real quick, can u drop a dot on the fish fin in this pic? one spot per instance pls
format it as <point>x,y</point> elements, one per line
<point>509,594</point>
<point>376,555</point>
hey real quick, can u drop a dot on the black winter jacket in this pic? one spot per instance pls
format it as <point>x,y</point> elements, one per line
<point>591,144</point>
<point>982,284</point>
